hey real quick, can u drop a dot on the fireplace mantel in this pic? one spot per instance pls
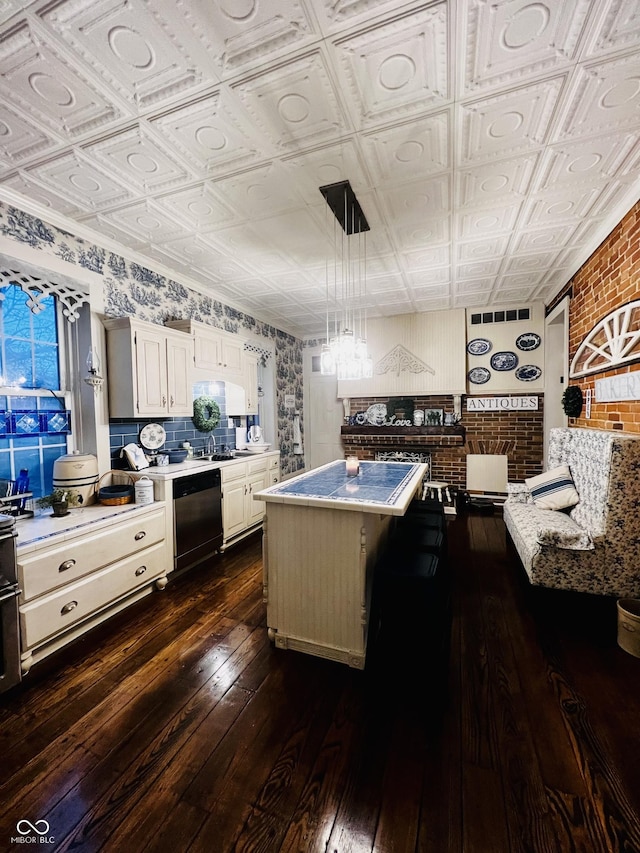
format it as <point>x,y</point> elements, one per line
<point>410,436</point>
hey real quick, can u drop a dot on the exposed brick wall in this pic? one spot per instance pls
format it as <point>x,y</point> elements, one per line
<point>609,279</point>
<point>519,432</point>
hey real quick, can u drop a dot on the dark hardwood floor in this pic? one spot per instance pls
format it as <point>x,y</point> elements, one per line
<point>178,727</point>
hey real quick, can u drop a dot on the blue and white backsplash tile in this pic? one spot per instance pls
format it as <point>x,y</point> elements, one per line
<point>132,290</point>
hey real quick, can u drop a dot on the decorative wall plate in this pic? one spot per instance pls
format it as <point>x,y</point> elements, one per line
<point>528,372</point>
<point>361,418</point>
<point>504,360</point>
<point>152,436</point>
<point>479,375</point>
<point>479,346</point>
<point>377,414</point>
<point>528,341</point>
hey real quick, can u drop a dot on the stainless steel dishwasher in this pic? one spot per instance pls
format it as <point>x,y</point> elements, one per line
<point>197,518</point>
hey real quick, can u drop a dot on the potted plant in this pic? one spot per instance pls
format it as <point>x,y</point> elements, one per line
<point>59,500</point>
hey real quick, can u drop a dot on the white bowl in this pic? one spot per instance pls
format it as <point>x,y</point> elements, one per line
<point>257,447</point>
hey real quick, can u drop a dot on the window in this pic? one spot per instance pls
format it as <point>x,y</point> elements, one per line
<point>35,419</point>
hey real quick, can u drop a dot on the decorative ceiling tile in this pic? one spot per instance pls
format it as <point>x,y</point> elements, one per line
<point>489,221</point>
<point>146,222</point>
<point>436,275</point>
<point>20,139</point>
<point>559,207</point>
<point>515,38</point>
<point>479,269</point>
<point>208,134</point>
<point>409,151</point>
<point>240,34</point>
<point>477,285</point>
<point>327,165</point>
<point>426,232</point>
<point>399,68</point>
<point>138,160</point>
<point>495,182</point>
<point>36,77</point>
<point>541,239</point>
<point>294,104</point>
<point>605,97</point>
<point>74,177</point>
<point>511,123</point>
<point>33,190</point>
<point>198,207</point>
<point>490,247</point>
<point>620,27</point>
<point>410,203</point>
<point>126,47</point>
<point>529,263</point>
<point>590,161</point>
<point>429,257</point>
<point>258,193</point>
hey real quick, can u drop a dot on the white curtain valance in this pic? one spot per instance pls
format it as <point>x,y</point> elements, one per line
<point>71,296</point>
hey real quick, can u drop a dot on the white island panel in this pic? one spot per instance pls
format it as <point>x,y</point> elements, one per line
<point>321,542</point>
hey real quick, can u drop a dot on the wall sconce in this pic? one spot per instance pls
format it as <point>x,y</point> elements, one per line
<point>93,377</point>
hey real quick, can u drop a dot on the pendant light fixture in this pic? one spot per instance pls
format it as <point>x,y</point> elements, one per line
<point>345,352</point>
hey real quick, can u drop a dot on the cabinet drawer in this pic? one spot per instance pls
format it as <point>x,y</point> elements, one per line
<point>237,471</point>
<point>273,462</point>
<point>50,569</point>
<point>57,612</point>
<point>256,466</point>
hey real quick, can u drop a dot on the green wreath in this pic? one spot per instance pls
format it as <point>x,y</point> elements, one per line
<point>206,414</point>
<point>572,401</point>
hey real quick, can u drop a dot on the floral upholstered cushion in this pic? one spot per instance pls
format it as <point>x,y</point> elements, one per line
<point>519,493</point>
<point>554,489</point>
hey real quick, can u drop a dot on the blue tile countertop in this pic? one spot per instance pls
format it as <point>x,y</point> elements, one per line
<point>383,487</point>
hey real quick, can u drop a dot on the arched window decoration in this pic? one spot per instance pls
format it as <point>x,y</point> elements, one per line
<point>71,297</point>
<point>612,342</point>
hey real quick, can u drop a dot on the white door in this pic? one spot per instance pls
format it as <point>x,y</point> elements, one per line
<point>556,369</point>
<point>323,414</point>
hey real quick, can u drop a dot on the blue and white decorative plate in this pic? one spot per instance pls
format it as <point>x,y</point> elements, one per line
<point>528,372</point>
<point>479,375</point>
<point>504,360</point>
<point>479,346</point>
<point>528,341</point>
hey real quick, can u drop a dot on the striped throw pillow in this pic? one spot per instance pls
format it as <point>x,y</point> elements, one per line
<point>554,489</point>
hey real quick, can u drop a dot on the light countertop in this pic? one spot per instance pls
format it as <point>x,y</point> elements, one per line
<point>382,487</point>
<point>192,466</point>
<point>44,529</point>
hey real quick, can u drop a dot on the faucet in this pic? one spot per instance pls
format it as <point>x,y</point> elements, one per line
<point>211,445</point>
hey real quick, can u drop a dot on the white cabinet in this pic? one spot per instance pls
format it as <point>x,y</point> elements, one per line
<point>220,353</point>
<point>88,574</point>
<point>149,369</point>
<point>241,514</point>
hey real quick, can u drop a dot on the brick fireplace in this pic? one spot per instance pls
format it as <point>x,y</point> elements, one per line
<point>517,434</point>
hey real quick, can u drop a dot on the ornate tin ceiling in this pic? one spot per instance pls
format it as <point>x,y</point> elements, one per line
<point>492,145</point>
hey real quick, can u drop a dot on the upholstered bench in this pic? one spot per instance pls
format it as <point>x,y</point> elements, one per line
<point>592,543</point>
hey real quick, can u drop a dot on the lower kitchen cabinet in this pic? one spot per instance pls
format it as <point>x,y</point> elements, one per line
<point>70,586</point>
<point>241,514</point>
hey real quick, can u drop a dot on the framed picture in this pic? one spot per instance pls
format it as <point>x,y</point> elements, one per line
<point>433,417</point>
<point>401,407</point>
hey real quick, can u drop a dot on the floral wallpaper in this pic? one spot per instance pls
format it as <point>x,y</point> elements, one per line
<point>134,290</point>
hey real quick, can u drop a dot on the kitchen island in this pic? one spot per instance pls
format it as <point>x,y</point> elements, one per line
<point>322,536</point>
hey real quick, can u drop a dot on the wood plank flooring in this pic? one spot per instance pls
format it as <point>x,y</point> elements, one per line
<point>178,727</point>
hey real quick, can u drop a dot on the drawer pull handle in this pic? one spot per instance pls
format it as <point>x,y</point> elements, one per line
<point>140,535</point>
<point>68,564</point>
<point>69,607</point>
<point>141,570</point>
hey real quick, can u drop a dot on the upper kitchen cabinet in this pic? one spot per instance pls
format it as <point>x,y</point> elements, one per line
<point>149,369</point>
<point>220,353</point>
<point>414,354</point>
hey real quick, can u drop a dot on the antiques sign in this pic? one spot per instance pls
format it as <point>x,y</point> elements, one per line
<point>502,404</point>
